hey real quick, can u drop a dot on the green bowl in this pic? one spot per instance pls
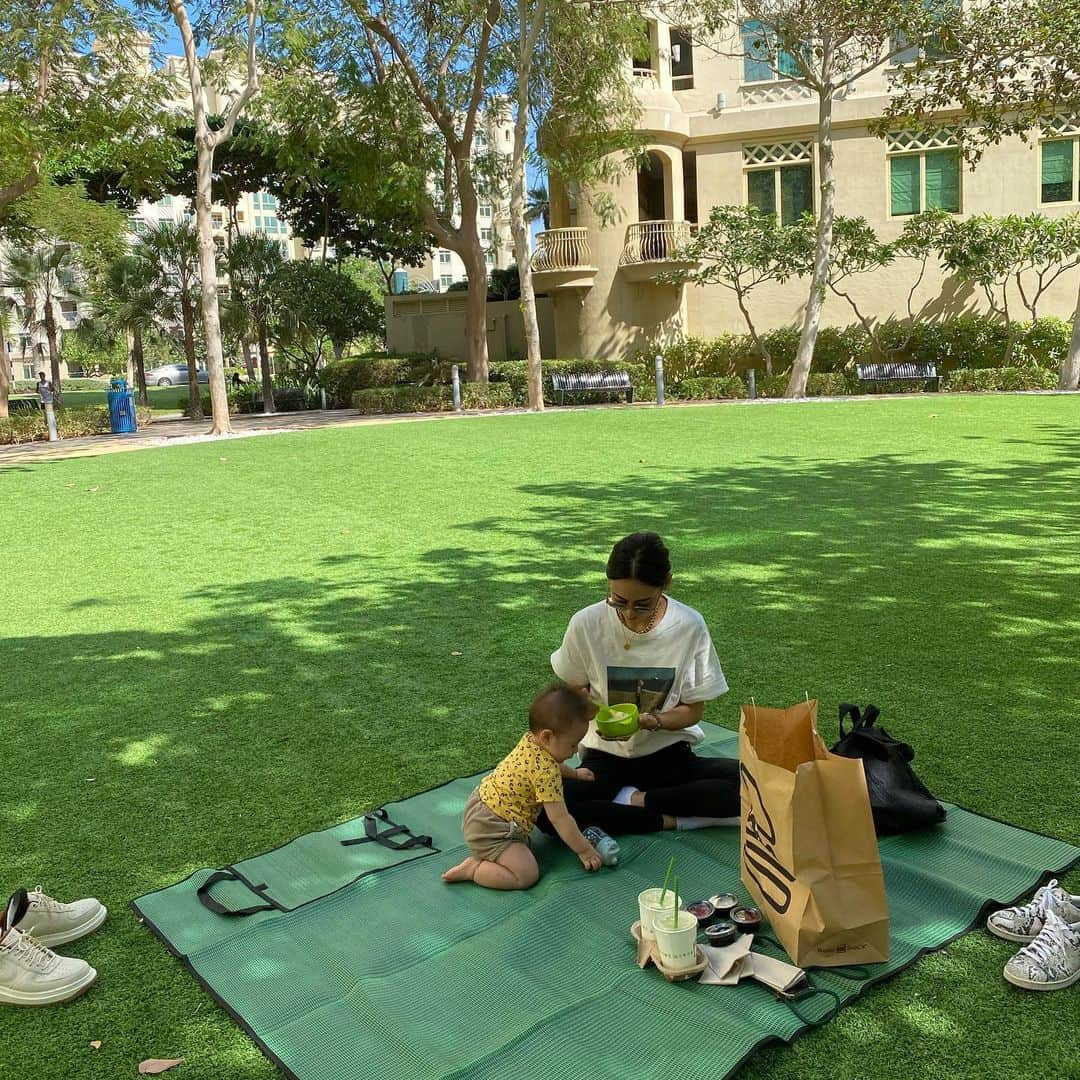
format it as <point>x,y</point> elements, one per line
<point>617,721</point>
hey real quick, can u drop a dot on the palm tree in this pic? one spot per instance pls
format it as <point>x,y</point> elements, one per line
<point>8,305</point>
<point>253,261</point>
<point>131,298</point>
<point>43,274</point>
<point>538,205</point>
<point>173,251</point>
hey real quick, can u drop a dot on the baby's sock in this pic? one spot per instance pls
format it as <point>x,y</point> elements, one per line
<point>684,824</point>
<point>625,795</point>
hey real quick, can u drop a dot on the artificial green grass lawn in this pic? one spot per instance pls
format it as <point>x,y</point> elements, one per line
<point>209,649</point>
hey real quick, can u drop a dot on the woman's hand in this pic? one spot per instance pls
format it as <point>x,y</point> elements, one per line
<point>649,721</point>
<point>584,774</point>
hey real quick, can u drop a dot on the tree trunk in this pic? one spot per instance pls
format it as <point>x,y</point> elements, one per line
<point>264,367</point>
<point>1069,376</point>
<point>249,363</point>
<point>338,348</point>
<point>215,360</point>
<point>5,366</point>
<point>54,349</point>
<point>519,227</point>
<point>194,397</point>
<point>800,371</point>
<point>140,365</point>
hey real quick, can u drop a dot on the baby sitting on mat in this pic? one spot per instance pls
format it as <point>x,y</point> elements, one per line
<point>501,812</point>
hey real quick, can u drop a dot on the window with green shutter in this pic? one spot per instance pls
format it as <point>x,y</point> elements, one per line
<point>1057,171</point>
<point>761,190</point>
<point>796,193</point>
<point>943,180</point>
<point>904,185</point>
<point>924,171</point>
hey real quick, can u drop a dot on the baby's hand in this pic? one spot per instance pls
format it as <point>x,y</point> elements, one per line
<point>584,774</point>
<point>591,860</point>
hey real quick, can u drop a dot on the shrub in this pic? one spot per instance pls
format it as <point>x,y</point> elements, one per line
<point>342,379</point>
<point>71,424</point>
<point>819,384</point>
<point>710,387</point>
<point>405,399</point>
<point>1008,378</point>
<point>286,399</point>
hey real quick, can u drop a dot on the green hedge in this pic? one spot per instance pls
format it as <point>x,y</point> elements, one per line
<point>428,399</point>
<point>975,341</point>
<point>710,388</point>
<point>71,423</point>
<point>819,384</point>
<point>1007,378</point>
<point>342,379</point>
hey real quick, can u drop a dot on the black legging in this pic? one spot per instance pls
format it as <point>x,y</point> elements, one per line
<point>675,781</point>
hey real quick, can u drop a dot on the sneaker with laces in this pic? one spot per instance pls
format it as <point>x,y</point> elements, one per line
<point>1051,961</point>
<point>31,974</point>
<point>52,923</point>
<point>1024,922</point>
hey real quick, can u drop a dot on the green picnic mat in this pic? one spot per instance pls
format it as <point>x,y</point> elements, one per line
<point>363,963</point>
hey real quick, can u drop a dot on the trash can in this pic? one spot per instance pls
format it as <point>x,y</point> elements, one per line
<point>121,408</point>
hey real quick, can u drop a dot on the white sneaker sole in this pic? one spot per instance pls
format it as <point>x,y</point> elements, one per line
<point>49,997</point>
<point>1008,935</point>
<point>64,937</point>
<point>1027,984</point>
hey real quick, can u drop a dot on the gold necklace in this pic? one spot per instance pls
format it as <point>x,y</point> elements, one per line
<point>661,603</point>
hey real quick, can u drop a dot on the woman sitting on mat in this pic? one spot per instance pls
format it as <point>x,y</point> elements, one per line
<point>501,812</point>
<point>642,646</point>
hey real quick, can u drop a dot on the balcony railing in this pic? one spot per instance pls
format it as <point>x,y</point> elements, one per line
<point>561,249</point>
<point>654,241</point>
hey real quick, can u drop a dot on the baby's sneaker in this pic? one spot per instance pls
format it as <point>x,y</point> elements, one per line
<point>52,923</point>
<point>606,846</point>
<point>1025,921</point>
<point>1051,961</point>
<point>31,974</point>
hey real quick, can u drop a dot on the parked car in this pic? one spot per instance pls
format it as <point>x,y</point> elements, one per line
<point>174,375</point>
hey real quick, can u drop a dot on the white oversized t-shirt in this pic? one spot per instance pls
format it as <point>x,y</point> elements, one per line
<point>674,662</point>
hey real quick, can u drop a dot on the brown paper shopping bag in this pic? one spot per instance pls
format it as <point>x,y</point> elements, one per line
<point>809,855</point>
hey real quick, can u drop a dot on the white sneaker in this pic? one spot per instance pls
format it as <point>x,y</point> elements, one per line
<point>1025,921</point>
<point>52,923</point>
<point>30,974</point>
<point>1051,961</point>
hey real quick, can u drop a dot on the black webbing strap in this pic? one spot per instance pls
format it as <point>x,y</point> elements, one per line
<point>386,836</point>
<point>228,874</point>
<point>809,990</point>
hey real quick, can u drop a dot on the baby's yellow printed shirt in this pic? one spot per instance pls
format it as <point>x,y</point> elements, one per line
<point>525,779</point>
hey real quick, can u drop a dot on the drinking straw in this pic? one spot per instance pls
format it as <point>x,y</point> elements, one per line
<point>675,905</point>
<point>667,878</point>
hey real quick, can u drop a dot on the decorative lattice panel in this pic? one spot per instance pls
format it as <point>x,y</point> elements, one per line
<point>1054,126</point>
<point>942,139</point>
<point>778,153</point>
<point>774,93</point>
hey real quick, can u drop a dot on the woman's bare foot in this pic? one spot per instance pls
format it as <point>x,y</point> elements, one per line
<point>464,871</point>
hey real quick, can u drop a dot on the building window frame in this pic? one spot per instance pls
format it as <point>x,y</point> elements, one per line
<point>779,159</point>
<point>1059,131</point>
<point>779,65</point>
<point>907,146</point>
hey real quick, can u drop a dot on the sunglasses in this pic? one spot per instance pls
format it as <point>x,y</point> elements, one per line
<point>639,607</point>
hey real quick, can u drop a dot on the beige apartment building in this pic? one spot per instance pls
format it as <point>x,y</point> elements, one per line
<point>722,127</point>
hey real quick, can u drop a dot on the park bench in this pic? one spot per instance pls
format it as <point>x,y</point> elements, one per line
<point>900,371</point>
<point>24,405</point>
<point>597,382</point>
